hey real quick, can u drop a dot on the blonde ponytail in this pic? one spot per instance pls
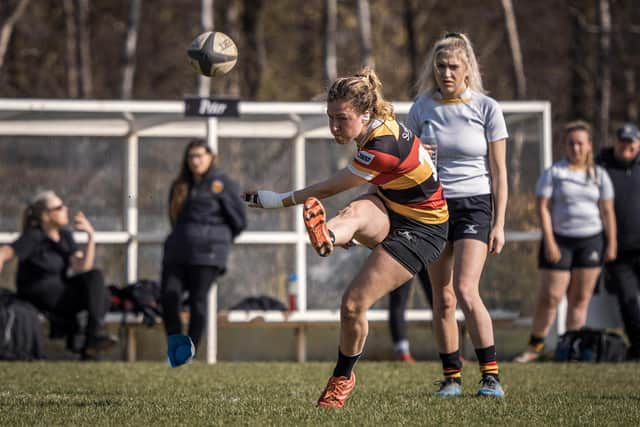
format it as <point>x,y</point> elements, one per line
<point>364,91</point>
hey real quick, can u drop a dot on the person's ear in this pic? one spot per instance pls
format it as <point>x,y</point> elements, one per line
<point>365,117</point>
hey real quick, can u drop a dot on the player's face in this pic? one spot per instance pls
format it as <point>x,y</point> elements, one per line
<point>451,74</point>
<point>626,149</point>
<point>56,213</point>
<point>199,161</point>
<point>345,123</point>
<point>578,147</point>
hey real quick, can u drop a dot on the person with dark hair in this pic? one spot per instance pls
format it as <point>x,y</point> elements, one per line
<point>404,221</point>
<point>206,214</point>
<point>398,299</point>
<point>622,162</point>
<point>575,206</point>
<point>47,251</point>
<point>465,132</point>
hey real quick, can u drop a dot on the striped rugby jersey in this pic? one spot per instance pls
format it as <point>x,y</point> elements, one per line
<point>391,157</point>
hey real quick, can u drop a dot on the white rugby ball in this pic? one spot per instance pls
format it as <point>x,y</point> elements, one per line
<point>213,53</point>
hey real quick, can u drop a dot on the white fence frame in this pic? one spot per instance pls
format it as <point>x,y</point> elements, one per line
<point>164,119</point>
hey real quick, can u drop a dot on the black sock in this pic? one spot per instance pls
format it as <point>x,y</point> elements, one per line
<point>536,343</point>
<point>332,237</point>
<point>345,365</point>
<point>487,360</point>
<point>452,366</point>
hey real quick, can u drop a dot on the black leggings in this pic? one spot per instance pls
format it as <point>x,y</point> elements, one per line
<point>196,279</point>
<point>83,291</point>
<point>623,278</point>
<point>398,304</point>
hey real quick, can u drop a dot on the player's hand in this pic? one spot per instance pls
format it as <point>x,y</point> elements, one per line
<point>252,199</point>
<point>552,252</point>
<point>496,240</point>
<point>265,199</point>
<point>81,223</point>
<point>611,253</point>
<point>429,149</point>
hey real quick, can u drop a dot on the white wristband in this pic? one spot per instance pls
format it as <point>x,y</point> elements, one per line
<point>271,199</point>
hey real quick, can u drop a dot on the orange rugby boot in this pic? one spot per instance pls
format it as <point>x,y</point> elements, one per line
<point>315,219</point>
<point>337,390</point>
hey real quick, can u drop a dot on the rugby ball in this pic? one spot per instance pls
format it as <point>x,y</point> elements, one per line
<point>213,53</point>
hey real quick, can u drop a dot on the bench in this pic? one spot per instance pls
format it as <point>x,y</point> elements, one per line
<point>296,320</point>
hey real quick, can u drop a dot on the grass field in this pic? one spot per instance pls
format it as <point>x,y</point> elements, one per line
<point>141,394</point>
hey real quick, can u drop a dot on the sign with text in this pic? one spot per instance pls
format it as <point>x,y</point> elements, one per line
<point>211,107</point>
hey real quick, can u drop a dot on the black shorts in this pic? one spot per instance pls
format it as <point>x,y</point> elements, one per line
<point>470,218</point>
<point>576,252</point>
<point>414,244</point>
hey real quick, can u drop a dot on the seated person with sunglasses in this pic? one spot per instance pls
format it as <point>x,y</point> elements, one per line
<point>54,274</point>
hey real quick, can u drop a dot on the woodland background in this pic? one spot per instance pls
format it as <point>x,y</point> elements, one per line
<point>579,55</point>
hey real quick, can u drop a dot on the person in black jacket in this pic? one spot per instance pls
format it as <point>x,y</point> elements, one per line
<point>206,214</point>
<point>622,162</point>
<point>47,252</point>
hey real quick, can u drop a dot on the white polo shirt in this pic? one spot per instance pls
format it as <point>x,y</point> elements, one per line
<point>574,198</point>
<point>462,129</point>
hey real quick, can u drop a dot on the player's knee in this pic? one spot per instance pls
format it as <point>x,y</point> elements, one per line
<point>550,300</point>
<point>351,308</point>
<point>445,300</point>
<point>467,294</point>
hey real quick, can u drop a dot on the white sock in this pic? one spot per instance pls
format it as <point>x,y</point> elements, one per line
<point>401,346</point>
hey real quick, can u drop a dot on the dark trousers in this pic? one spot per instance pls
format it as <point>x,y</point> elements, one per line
<point>623,279</point>
<point>64,299</point>
<point>196,279</point>
<point>398,305</point>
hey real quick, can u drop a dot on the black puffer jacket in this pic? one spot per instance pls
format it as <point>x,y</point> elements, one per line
<point>626,183</point>
<point>212,215</point>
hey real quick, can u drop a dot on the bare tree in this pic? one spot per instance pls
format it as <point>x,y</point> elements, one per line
<point>253,32</point>
<point>231,16</point>
<point>71,32</point>
<point>604,71</point>
<point>521,89</point>
<point>7,28</point>
<point>364,25</point>
<point>206,22</point>
<point>330,26</point>
<point>582,93</point>
<point>130,47</point>
<point>84,45</point>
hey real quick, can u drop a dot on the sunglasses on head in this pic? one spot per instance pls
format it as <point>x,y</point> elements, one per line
<point>453,35</point>
<point>56,208</point>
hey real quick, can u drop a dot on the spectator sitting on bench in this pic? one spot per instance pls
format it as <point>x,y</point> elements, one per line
<point>46,252</point>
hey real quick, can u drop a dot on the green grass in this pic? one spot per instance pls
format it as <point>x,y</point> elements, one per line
<point>141,394</point>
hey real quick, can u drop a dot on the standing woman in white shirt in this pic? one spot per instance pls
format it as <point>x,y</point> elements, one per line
<point>577,217</point>
<point>465,132</point>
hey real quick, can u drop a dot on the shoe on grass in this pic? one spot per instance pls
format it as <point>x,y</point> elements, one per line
<point>527,357</point>
<point>490,387</point>
<point>449,387</point>
<point>336,392</point>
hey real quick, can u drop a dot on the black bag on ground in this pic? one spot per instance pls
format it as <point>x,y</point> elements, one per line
<point>262,302</point>
<point>590,345</point>
<point>140,297</point>
<point>20,329</point>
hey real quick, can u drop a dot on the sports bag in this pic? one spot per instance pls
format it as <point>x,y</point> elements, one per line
<point>590,345</point>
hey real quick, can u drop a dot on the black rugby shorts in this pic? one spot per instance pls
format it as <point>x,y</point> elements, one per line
<point>412,243</point>
<point>576,252</point>
<point>470,218</point>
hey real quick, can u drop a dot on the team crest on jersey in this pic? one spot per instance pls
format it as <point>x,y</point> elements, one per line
<point>365,157</point>
<point>217,186</point>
